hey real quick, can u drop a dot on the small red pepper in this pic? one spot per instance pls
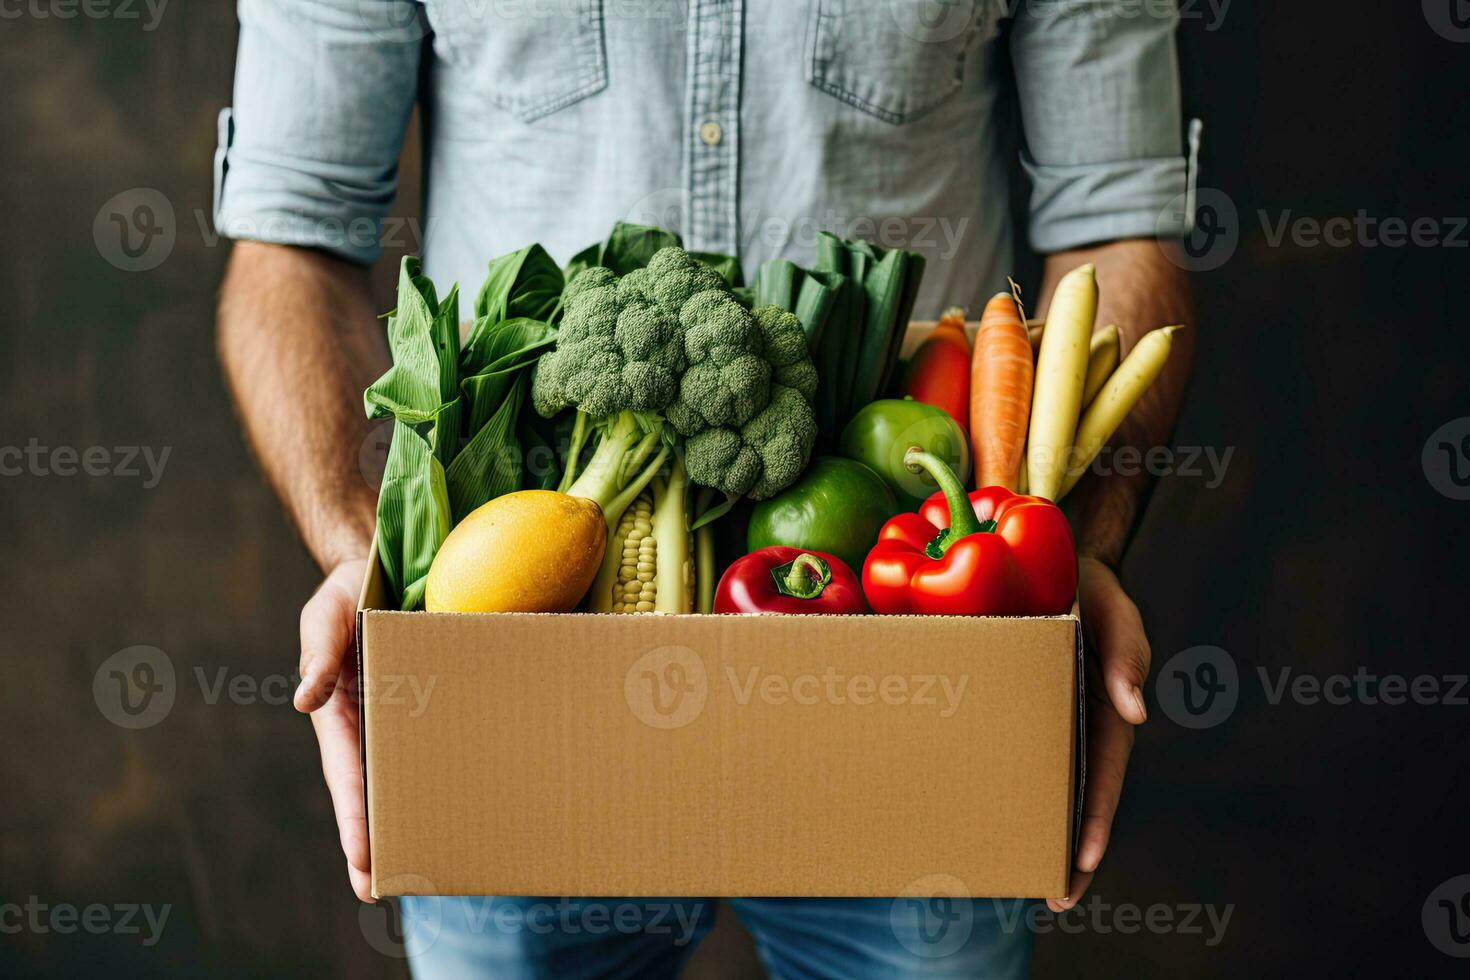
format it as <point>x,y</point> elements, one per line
<point>789,580</point>
<point>939,372</point>
<point>991,553</point>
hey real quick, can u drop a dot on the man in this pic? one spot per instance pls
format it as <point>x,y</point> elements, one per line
<point>747,125</point>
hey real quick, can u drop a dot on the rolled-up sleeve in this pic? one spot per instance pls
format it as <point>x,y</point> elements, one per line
<point>323,92</point>
<point>1099,90</point>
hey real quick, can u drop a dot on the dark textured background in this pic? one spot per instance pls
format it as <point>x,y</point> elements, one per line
<point>1326,548</point>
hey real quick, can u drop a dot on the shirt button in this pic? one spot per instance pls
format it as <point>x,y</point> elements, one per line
<point>711,133</point>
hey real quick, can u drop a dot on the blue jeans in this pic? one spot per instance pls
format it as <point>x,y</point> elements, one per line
<point>583,938</point>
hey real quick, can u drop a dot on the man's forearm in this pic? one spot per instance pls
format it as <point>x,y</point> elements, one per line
<point>1139,289</point>
<point>298,342</point>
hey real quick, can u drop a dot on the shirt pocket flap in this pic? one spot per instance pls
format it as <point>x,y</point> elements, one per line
<point>530,59</point>
<point>895,59</point>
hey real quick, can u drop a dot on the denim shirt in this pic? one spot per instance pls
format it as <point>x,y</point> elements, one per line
<point>746,125</point>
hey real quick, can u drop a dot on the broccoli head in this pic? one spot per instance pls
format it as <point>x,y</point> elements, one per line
<point>762,457</point>
<point>615,351</point>
<point>666,351</point>
<point>745,401</point>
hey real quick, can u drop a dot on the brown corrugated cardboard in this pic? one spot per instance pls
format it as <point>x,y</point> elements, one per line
<point>575,754</point>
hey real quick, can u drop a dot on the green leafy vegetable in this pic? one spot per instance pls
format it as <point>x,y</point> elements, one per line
<point>421,393</point>
<point>526,283</point>
<point>457,413</point>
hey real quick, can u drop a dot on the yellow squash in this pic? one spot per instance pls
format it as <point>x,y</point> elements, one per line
<point>1061,371</point>
<point>531,551</point>
<point>1117,398</point>
<point>1102,358</point>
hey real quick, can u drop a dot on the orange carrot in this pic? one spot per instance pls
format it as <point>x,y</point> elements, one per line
<point>1000,393</point>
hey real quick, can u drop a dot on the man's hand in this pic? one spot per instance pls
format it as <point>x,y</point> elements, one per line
<point>1116,670</point>
<point>328,692</point>
<point>1139,289</point>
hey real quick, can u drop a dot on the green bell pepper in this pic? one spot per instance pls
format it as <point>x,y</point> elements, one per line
<point>883,431</point>
<point>837,506</point>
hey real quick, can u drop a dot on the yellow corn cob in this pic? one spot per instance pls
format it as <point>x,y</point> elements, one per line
<point>635,589</point>
<point>643,584</point>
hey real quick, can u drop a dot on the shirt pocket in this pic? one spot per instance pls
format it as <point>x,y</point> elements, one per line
<point>529,58</point>
<point>895,59</point>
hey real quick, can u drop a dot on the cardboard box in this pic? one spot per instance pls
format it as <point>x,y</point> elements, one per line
<point>599,755</point>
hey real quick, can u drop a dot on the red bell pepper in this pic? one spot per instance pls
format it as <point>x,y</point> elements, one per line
<point>789,580</point>
<point>939,372</point>
<point>991,553</point>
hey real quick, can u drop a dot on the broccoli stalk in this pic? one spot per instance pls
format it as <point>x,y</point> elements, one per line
<point>629,453</point>
<point>674,572</point>
<point>574,452</point>
<point>704,556</point>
